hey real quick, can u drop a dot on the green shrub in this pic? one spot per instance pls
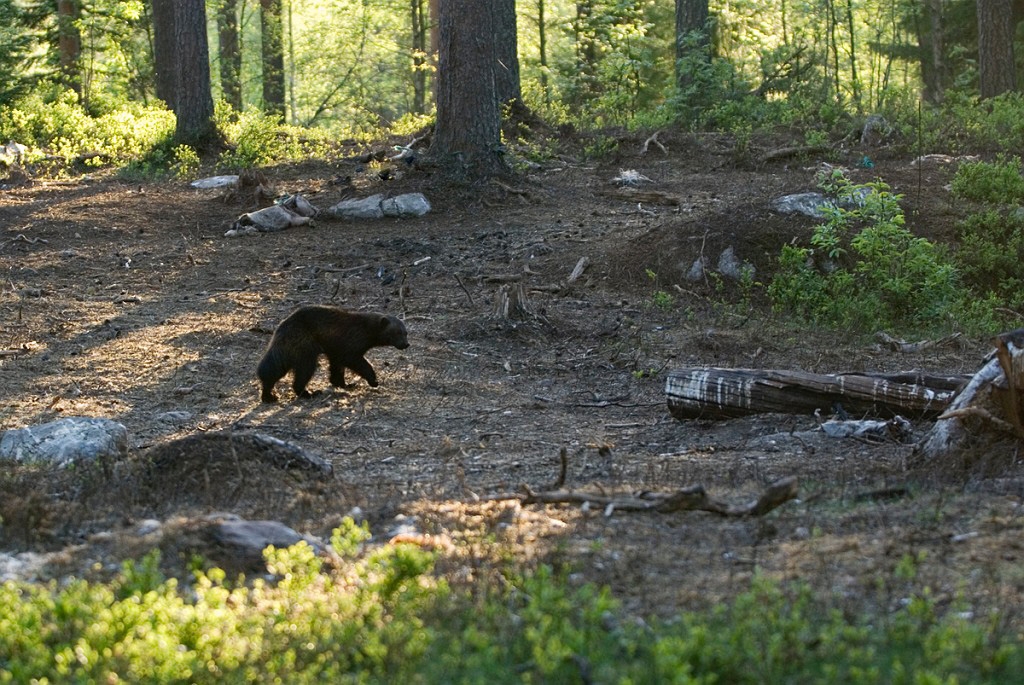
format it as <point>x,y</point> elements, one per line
<point>382,617</point>
<point>999,182</point>
<point>62,128</point>
<point>865,270</point>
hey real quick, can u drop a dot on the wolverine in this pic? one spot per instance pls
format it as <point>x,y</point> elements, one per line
<point>340,335</point>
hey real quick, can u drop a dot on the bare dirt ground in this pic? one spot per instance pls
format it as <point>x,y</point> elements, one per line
<point>128,302</point>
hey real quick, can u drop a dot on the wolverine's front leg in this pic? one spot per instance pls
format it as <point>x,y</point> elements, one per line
<point>337,372</point>
<point>363,368</point>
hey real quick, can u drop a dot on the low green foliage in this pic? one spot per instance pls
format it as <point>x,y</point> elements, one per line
<point>991,241</point>
<point>61,128</point>
<point>865,270</point>
<point>998,183</point>
<point>659,298</point>
<point>383,617</point>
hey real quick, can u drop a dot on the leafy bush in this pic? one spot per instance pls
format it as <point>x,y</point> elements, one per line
<point>865,269</point>
<point>382,617</point>
<point>998,182</point>
<point>64,129</point>
<point>992,241</point>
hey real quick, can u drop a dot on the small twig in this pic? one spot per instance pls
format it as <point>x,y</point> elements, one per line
<point>20,238</point>
<point>563,457</point>
<point>461,285</point>
<point>333,270</point>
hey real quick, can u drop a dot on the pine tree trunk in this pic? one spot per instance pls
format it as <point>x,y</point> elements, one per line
<point>193,100</point>
<point>996,68</point>
<point>467,137</point>
<point>418,25</point>
<point>164,52</point>
<point>506,70</point>
<point>230,53</point>
<point>271,31</point>
<point>691,18</point>
<point>69,43</point>
<point>933,64</point>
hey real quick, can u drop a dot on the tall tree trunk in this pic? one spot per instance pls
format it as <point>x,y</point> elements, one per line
<point>542,49</point>
<point>854,79</point>
<point>996,68</point>
<point>69,44</point>
<point>586,48</point>
<point>691,21</point>
<point>193,100</point>
<point>930,38</point>
<point>273,57</point>
<point>467,136</point>
<point>164,59</point>
<point>506,69</point>
<point>419,25</point>
<point>230,53</point>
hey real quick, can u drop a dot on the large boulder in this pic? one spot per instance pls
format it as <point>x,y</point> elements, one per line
<point>67,441</point>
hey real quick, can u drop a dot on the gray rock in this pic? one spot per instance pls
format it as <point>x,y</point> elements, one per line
<point>367,208</point>
<point>808,204</point>
<point>67,441</point>
<point>229,180</point>
<point>730,266</point>
<point>174,417</point>
<point>377,206</point>
<point>697,270</point>
<point>250,538</point>
<point>21,566</point>
<point>407,205</point>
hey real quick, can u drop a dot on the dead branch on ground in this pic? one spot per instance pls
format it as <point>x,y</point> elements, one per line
<point>691,498</point>
<point>653,139</point>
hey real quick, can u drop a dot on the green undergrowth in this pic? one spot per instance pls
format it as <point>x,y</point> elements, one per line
<point>382,616</point>
<point>864,270</point>
<point>991,239</point>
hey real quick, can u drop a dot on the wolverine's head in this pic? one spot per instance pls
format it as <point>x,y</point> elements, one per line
<point>393,333</point>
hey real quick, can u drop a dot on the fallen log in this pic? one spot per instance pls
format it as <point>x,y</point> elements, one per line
<point>716,393</point>
<point>991,399</point>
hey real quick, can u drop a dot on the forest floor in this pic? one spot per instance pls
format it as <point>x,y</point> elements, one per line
<point>126,301</point>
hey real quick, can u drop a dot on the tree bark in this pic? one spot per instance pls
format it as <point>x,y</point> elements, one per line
<point>69,43</point>
<point>691,20</point>
<point>230,53</point>
<point>419,21</point>
<point>164,61</point>
<point>930,37</point>
<point>271,31</point>
<point>996,67</point>
<point>506,70</point>
<point>467,137</point>
<point>193,102</point>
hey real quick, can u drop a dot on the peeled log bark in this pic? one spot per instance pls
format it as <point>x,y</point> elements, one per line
<point>714,393</point>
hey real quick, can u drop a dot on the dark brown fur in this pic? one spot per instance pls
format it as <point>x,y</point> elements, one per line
<point>342,336</point>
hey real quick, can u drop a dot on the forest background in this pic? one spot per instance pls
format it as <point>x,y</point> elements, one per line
<point>100,90</point>
<point>357,68</point>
